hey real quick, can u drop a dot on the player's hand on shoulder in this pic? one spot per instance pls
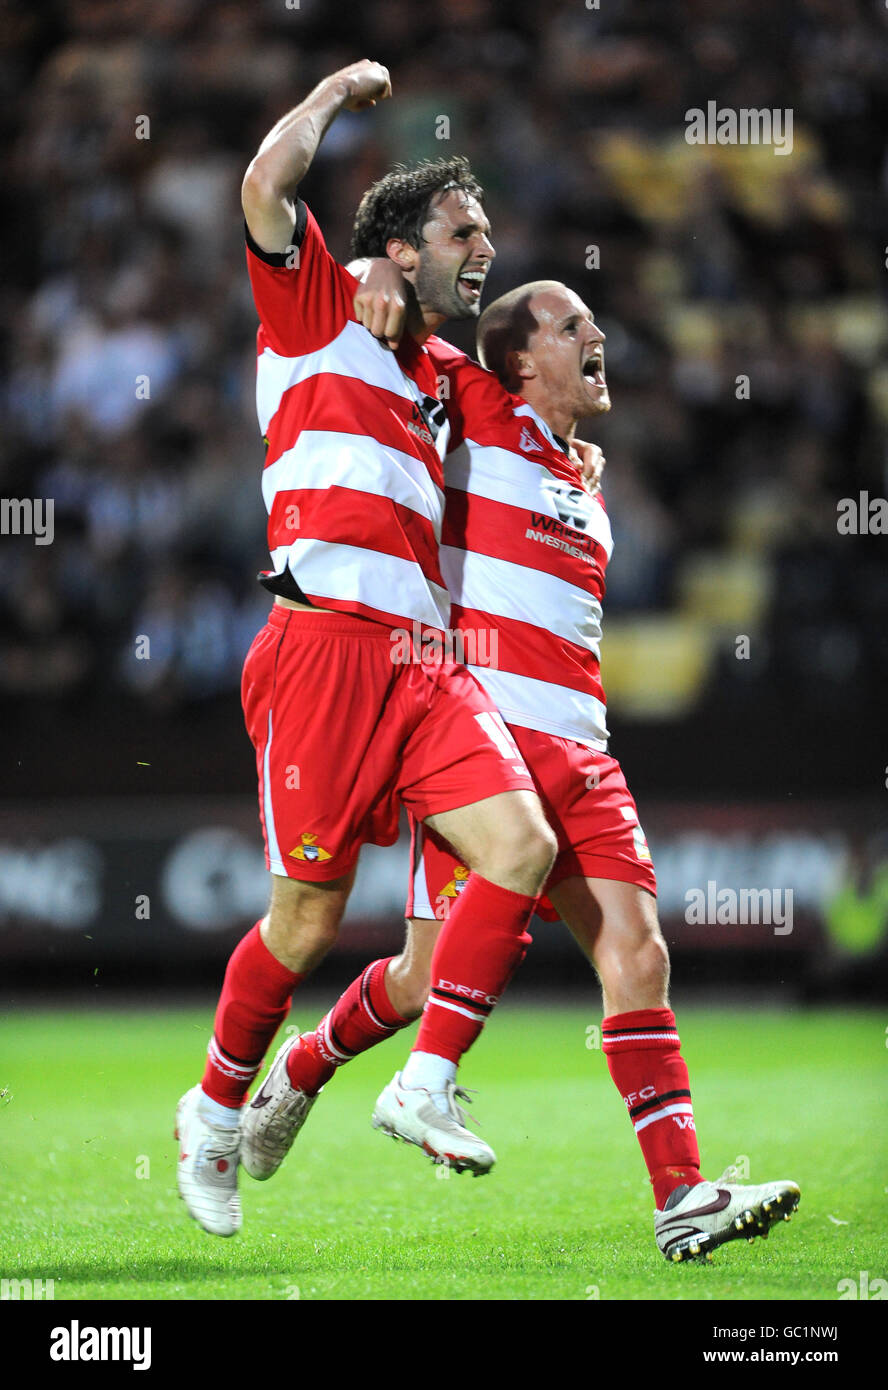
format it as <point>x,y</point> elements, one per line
<point>591,462</point>
<point>380,302</point>
<point>364,84</point>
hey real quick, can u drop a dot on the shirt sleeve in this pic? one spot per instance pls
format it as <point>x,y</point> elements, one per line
<point>449,364</point>
<point>477,405</point>
<point>302,295</point>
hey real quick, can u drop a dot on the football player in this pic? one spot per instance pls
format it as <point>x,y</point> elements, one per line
<point>523,553</point>
<point>347,728</point>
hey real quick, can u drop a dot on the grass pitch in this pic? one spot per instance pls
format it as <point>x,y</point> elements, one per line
<point>88,1197</point>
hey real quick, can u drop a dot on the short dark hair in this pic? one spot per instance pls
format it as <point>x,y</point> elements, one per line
<point>398,204</point>
<point>505,327</point>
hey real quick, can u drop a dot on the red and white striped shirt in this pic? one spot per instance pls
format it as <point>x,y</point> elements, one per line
<point>353,479</point>
<point>523,553</point>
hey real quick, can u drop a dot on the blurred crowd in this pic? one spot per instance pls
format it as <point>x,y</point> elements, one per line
<point>741,291</point>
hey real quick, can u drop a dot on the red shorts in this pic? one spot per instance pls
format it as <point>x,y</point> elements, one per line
<point>343,736</point>
<point>587,804</point>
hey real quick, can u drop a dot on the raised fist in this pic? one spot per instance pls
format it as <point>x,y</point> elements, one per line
<point>364,83</point>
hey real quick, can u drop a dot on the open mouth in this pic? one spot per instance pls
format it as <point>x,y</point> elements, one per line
<point>472,282</point>
<point>593,368</point>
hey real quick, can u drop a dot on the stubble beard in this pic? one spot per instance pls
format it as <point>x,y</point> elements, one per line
<point>436,291</point>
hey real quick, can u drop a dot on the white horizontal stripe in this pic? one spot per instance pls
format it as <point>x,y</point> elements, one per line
<point>233,1069</point>
<point>349,572</point>
<point>683,1109</point>
<point>504,475</point>
<point>640,1037</point>
<point>326,458</point>
<point>553,709</point>
<point>352,353</point>
<point>457,1009</point>
<point>525,595</point>
<point>498,474</point>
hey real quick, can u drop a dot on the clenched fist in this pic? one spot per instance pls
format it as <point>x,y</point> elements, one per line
<point>364,84</point>
<point>380,301</point>
<point>591,461</point>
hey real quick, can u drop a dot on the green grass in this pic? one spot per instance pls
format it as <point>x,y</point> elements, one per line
<point>567,1210</point>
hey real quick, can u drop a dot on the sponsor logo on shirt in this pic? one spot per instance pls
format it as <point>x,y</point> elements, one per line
<point>574,506</point>
<point>416,425</point>
<point>570,530</point>
<point>545,530</point>
<point>426,419</point>
<point>528,443</point>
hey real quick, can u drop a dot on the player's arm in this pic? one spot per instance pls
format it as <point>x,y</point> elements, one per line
<point>268,193</point>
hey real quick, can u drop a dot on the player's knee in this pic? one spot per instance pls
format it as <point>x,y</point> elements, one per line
<point>523,856</point>
<point>288,934</point>
<point>301,925</point>
<point>540,849</point>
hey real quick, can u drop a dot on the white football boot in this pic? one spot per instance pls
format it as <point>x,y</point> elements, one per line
<point>411,1114</point>
<point>207,1168</point>
<point>697,1219</point>
<point>274,1117</point>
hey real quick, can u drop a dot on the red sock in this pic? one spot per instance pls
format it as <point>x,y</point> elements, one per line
<point>254,1002</point>
<point>360,1018</point>
<point>644,1058</point>
<point>483,942</point>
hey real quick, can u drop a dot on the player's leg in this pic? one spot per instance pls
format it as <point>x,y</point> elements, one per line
<point>312,813</point>
<point>264,970</point>
<point>262,973</point>
<point>421,721</point>
<point>465,779</point>
<point>387,996</point>
<point>505,841</point>
<point>615,924</point>
<point>506,838</point>
<point>407,979</point>
<point>507,844</point>
<point>390,993</point>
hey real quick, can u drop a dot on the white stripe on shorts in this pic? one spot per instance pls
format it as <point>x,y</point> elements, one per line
<point>274,853</point>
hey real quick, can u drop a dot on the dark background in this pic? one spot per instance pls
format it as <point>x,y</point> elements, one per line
<point>124,257</point>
